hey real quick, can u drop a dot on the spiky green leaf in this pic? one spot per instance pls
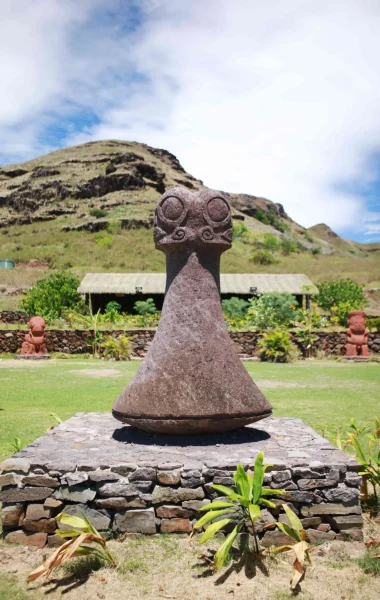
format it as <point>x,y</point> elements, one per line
<point>254,512</point>
<point>270,492</point>
<point>68,533</point>
<point>210,516</point>
<point>222,553</point>
<point>242,482</point>
<point>72,521</point>
<point>267,503</point>
<point>226,491</point>
<point>258,477</point>
<point>213,528</point>
<point>293,519</point>
<point>216,505</point>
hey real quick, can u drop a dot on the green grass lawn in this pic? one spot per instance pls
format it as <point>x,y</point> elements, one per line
<point>317,392</point>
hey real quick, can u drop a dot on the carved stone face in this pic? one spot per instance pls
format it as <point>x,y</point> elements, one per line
<point>188,220</point>
<point>37,326</point>
<point>357,321</point>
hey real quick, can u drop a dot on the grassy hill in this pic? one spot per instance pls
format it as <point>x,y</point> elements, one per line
<point>90,208</point>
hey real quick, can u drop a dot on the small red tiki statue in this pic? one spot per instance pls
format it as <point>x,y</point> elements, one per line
<point>357,334</point>
<point>34,341</point>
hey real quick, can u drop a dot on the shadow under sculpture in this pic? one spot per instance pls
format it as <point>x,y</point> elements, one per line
<point>192,380</point>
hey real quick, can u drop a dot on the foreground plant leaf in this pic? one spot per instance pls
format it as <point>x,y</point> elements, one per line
<point>212,529</point>
<point>222,553</point>
<point>301,549</point>
<point>74,546</point>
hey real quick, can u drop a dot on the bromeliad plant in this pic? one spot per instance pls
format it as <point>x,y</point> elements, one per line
<point>81,534</point>
<point>241,507</point>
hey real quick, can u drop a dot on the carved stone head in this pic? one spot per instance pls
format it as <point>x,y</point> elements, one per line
<point>357,321</point>
<point>37,325</point>
<point>192,220</point>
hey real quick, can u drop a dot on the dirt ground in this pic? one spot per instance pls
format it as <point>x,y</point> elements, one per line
<point>173,567</point>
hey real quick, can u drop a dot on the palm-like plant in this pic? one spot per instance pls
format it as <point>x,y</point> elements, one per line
<point>296,531</point>
<point>79,540</point>
<point>241,507</point>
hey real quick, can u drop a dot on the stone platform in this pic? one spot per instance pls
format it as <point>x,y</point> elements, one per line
<point>135,482</point>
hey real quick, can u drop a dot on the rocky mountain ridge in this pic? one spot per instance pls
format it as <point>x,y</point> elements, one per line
<point>105,175</point>
<point>87,187</point>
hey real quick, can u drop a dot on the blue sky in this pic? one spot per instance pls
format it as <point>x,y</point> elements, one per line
<point>277,99</point>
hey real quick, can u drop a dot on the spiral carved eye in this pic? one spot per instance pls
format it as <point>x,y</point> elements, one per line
<point>179,234</point>
<point>207,234</point>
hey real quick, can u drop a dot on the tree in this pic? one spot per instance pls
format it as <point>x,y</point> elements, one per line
<point>52,296</point>
<point>235,307</point>
<point>271,310</point>
<point>145,307</point>
<point>339,291</point>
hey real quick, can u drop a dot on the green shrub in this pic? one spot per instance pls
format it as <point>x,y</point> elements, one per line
<point>373,324</point>
<point>270,242</point>
<point>113,306</point>
<point>340,297</point>
<point>145,307</point>
<point>239,231</point>
<point>271,310</point>
<point>98,213</point>
<point>288,246</point>
<point>310,317</point>
<point>103,239</point>
<point>117,348</point>
<point>141,321</point>
<point>263,257</point>
<point>270,217</point>
<point>52,296</point>
<point>316,250</point>
<point>235,307</point>
<point>276,346</point>
<point>339,314</point>
<point>262,216</point>
<point>338,291</point>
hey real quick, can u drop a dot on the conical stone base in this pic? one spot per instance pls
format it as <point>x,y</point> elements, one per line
<point>192,380</point>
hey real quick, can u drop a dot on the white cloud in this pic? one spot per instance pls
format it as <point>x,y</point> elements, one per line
<point>279,99</point>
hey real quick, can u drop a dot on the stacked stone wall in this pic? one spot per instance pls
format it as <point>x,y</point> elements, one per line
<point>71,341</point>
<point>13,316</point>
<point>167,497</point>
<point>128,481</point>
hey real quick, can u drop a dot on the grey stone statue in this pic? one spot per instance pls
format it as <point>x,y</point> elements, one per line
<point>192,380</point>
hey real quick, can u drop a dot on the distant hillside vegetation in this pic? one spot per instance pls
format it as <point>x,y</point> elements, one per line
<point>90,208</point>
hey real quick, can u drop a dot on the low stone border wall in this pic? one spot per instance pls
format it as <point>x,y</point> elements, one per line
<point>72,341</point>
<point>13,316</point>
<point>329,342</point>
<point>130,482</point>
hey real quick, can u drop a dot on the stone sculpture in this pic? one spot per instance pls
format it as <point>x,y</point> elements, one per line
<point>192,380</point>
<point>357,334</point>
<point>34,341</point>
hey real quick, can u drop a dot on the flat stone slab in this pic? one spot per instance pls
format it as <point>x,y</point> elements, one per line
<point>92,440</point>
